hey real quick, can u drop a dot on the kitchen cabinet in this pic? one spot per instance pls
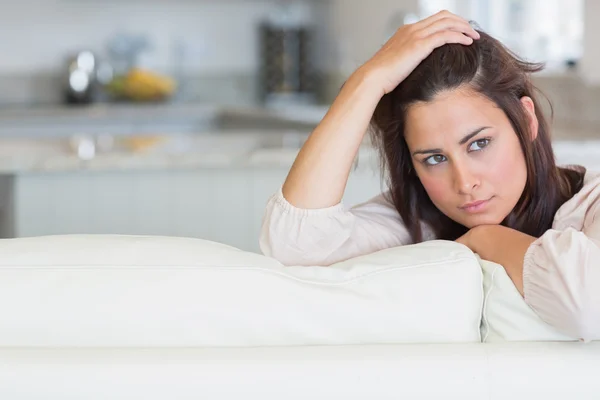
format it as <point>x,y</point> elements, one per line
<point>220,204</point>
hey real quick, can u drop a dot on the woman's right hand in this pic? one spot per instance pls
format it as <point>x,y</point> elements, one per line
<point>412,43</point>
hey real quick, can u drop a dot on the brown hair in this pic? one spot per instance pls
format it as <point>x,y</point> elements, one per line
<point>492,70</point>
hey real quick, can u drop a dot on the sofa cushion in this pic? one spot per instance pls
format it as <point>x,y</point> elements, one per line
<point>138,291</point>
<point>506,316</point>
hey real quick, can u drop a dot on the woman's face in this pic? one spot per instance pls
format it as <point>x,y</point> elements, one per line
<point>468,156</point>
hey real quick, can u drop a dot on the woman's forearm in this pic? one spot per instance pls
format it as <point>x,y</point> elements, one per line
<point>320,172</point>
<point>502,245</point>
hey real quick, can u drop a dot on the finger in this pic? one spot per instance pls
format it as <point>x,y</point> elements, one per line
<point>450,23</point>
<point>444,37</point>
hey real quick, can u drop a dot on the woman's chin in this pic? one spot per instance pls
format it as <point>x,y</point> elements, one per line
<point>478,220</point>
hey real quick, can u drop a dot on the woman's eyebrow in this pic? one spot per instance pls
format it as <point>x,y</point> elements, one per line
<point>462,141</point>
<point>470,135</point>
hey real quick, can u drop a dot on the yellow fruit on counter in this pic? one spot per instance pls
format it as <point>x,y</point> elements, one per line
<point>142,143</point>
<point>143,85</point>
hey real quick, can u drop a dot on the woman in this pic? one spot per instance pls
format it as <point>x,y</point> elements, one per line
<point>469,158</point>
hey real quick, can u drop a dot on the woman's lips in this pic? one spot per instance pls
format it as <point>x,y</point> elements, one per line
<point>476,206</point>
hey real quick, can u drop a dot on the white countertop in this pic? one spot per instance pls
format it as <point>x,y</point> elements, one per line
<point>236,150</point>
<point>311,114</point>
<point>241,148</point>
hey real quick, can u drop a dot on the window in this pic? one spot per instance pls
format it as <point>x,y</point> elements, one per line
<point>550,31</point>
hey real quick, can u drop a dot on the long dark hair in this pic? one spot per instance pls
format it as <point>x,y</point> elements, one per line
<point>489,68</point>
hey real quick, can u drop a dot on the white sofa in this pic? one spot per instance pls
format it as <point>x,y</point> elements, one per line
<point>156,318</point>
<point>139,317</point>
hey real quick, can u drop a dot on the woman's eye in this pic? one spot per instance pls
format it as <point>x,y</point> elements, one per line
<point>479,144</point>
<point>435,159</point>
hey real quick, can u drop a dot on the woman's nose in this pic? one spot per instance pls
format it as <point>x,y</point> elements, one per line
<point>465,180</point>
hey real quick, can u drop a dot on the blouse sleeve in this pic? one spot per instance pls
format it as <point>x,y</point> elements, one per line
<point>561,278</point>
<point>325,236</point>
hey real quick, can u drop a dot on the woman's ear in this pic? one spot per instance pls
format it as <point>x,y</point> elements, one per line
<point>529,107</point>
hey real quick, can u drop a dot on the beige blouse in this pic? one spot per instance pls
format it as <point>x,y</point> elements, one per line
<point>561,275</point>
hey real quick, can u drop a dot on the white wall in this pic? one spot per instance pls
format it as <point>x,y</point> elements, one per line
<point>219,35</point>
<point>361,27</point>
<point>590,63</point>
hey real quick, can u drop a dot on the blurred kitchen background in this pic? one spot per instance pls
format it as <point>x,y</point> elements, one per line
<point>183,117</point>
